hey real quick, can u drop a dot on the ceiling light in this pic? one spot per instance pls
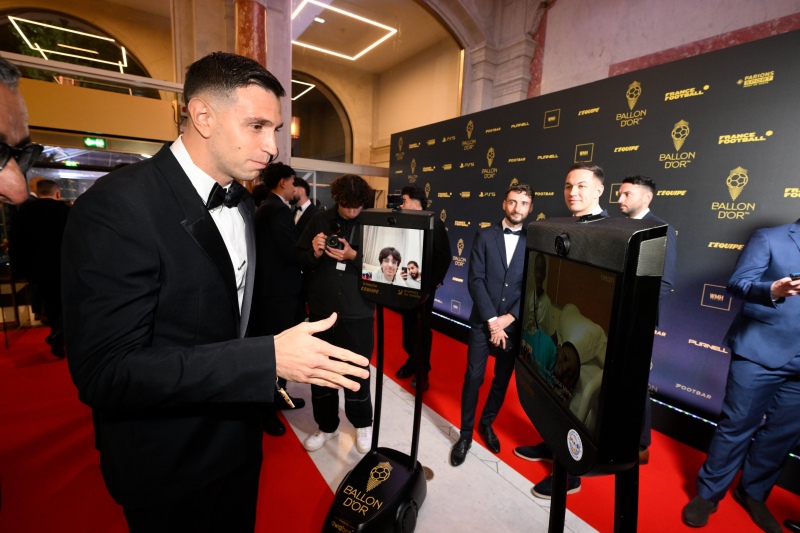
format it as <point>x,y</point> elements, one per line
<point>309,86</point>
<point>321,21</point>
<point>390,31</point>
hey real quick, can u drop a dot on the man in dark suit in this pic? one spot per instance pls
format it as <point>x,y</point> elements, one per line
<point>158,270</point>
<point>583,188</point>
<point>496,264</point>
<point>278,278</point>
<point>416,341</point>
<point>35,251</point>
<point>635,195</point>
<point>303,207</point>
<point>759,425</point>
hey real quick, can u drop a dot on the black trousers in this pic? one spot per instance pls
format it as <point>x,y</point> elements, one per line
<point>356,336</point>
<point>478,350</point>
<point>271,316</point>
<point>417,341</point>
<point>227,505</point>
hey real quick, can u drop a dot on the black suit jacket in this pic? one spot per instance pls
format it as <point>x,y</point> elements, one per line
<point>34,239</point>
<point>494,286</point>
<point>278,274</point>
<point>670,264</point>
<point>154,334</point>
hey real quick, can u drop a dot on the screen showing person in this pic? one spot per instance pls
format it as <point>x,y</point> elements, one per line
<point>566,317</point>
<point>388,253</point>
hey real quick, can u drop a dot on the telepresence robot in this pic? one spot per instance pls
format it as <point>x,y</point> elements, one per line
<point>386,489</point>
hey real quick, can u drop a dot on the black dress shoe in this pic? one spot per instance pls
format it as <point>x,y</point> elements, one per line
<point>489,437</point>
<point>271,423</point>
<point>792,525</point>
<point>757,510</point>
<point>405,371</point>
<point>697,511</point>
<point>280,403</point>
<point>459,452</point>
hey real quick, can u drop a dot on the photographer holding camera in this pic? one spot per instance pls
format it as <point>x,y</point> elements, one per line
<point>328,252</point>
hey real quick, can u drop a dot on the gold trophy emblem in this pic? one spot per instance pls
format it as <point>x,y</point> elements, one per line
<point>427,191</point>
<point>413,165</point>
<point>443,215</point>
<point>470,128</point>
<point>679,134</point>
<point>400,144</point>
<point>736,182</point>
<point>460,247</point>
<point>378,474</point>
<point>633,93</point>
<point>490,156</point>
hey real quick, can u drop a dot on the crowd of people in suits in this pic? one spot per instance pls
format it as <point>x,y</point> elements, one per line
<point>184,312</point>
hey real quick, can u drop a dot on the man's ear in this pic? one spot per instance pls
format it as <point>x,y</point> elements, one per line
<point>201,116</point>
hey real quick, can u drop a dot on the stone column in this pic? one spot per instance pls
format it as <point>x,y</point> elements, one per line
<point>251,29</point>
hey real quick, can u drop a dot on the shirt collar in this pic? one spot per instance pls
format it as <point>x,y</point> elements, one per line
<point>505,225</point>
<point>305,205</point>
<point>202,182</point>
<point>641,214</point>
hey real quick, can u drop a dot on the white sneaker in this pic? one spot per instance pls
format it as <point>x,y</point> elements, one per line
<point>364,439</point>
<point>318,439</point>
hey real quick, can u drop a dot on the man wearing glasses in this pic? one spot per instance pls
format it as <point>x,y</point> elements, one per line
<point>17,153</point>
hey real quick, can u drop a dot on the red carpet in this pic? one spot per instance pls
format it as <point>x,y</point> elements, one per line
<point>50,478</point>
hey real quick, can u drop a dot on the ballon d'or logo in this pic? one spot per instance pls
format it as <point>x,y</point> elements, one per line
<point>400,144</point>
<point>427,190</point>
<point>470,128</point>
<point>460,247</point>
<point>633,93</point>
<point>443,215</point>
<point>679,134</point>
<point>490,156</point>
<point>378,474</point>
<point>736,182</point>
<point>413,165</point>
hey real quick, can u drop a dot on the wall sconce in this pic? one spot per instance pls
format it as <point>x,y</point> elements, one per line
<point>294,129</point>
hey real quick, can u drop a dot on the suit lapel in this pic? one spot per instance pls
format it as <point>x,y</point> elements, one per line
<point>501,244</point>
<point>247,210</point>
<point>794,233</point>
<point>519,252</point>
<point>198,222</point>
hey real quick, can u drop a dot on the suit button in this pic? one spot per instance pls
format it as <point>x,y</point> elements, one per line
<point>504,299</point>
<point>506,284</point>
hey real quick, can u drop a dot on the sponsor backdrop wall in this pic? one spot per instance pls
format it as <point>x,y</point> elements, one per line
<point>720,135</point>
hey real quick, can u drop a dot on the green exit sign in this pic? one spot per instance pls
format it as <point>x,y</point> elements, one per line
<point>94,142</point>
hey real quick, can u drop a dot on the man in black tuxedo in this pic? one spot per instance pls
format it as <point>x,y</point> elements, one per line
<point>304,209</point>
<point>496,265</point>
<point>416,340</point>
<point>635,195</point>
<point>158,270</point>
<point>278,277</point>
<point>583,188</point>
<point>35,249</point>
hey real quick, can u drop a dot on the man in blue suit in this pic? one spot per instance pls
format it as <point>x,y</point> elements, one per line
<point>763,381</point>
<point>496,265</point>
<point>635,195</point>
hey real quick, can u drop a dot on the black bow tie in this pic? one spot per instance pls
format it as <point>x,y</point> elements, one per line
<point>296,208</point>
<point>509,231</point>
<point>229,198</point>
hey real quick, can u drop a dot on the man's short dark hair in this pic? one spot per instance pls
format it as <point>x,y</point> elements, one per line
<point>386,252</point>
<point>47,188</point>
<point>222,73</point>
<point>259,193</point>
<point>597,170</point>
<point>414,263</point>
<point>9,74</point>
<point>351,191</point>
<point>274,173</point>
<point>415,193</point>
<point>521,188</point>
<point>300,182</point>
<point>644,181</point>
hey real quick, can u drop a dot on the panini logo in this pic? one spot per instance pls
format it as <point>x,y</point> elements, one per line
<point>693,391</point>
<point>626,148</point>
<point>493,130</point>
<point>725,246</point>
<point>791,192</point>
<point>444,194</point>
<point>707,346</point>
<point>685,93</point>
<point>544,193</point>
<point>547,156</point>
<point>465,194</point>
<point>462,223</point>
<point>413,145</point>
<point>520,125</point>
<point>429,169</point>
<point>757,79</point>
<point>671,193</point>
<point>448,166</point>
<point>430,142</point>
<point>517,160</point>
<point>743,138</point>
<point>589,111</point>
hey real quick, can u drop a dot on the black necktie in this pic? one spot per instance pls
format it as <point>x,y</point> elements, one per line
<point>229,198</point>
<point>509,231</point>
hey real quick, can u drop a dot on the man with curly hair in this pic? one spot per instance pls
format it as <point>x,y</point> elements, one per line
<point>333,274</point>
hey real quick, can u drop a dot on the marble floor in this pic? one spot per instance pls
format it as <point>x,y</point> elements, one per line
<point>483,494</point>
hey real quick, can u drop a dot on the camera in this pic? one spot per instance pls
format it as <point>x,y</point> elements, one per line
<point>393,201</point>
<point>562,245</point>
<point>332,241</point>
